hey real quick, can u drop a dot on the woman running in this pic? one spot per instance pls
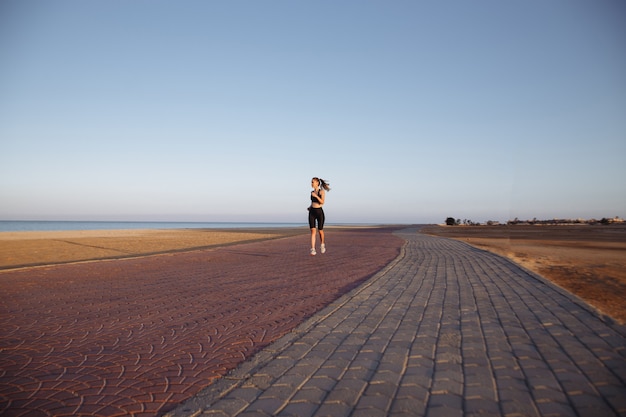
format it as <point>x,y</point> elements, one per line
<point>316,213</point>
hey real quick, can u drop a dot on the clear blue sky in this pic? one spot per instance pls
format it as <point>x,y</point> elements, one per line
<point>224,110</point>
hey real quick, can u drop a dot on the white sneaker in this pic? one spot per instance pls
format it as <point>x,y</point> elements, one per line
<point>323,248</point>
<point>313,253</point>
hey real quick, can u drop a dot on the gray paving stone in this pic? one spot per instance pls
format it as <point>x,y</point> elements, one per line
<point>333,373</point>
<point>246,394</point>
<point>408,407</point>
<point>555,409</point>
<point>381,389</point>
<point>279,392</point>
<point>373,401</point>
<point>300,409</point>
<point>444,330</point>
<point>334,409</point>
<point>480,407</point>
<point>322,382</point>
<point>311,395</point>
<point>216,413</point>
<point>347,391</point>
<point>233,406</point>
<point>267,405</point>
<point>255,413</point>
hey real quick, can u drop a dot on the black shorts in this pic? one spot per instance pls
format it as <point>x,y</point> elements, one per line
<point>316,214</point>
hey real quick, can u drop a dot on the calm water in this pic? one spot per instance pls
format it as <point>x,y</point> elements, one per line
<point>26,226</point>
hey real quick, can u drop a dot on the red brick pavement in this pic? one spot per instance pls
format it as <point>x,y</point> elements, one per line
<point>138,336</point>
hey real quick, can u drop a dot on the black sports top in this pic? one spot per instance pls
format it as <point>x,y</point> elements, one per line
<point>315,200</point>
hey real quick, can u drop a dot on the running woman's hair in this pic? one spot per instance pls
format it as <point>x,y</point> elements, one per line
<point>324,184</point>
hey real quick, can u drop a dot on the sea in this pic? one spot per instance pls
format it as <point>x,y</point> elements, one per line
<point>41,226</point>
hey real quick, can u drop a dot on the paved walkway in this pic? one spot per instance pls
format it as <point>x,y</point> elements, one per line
<point>137,337</point>
<point>444,330</point>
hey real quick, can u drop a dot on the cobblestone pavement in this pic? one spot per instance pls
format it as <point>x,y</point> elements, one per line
<point>444,330</point>
<point>139,336</point>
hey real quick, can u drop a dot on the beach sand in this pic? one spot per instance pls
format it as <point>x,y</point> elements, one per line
<point>586,260</point>
<point>23,249</point>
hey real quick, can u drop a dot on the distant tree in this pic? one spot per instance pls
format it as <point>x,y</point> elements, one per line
<point>450,221</point>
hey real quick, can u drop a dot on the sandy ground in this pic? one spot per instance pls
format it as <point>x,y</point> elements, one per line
<point>20,249</point>
<point>589,261</point>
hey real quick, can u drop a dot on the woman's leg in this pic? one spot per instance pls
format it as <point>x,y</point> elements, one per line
<point>313,238</point>
<point>313,229</point>
<point>320,227</point>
